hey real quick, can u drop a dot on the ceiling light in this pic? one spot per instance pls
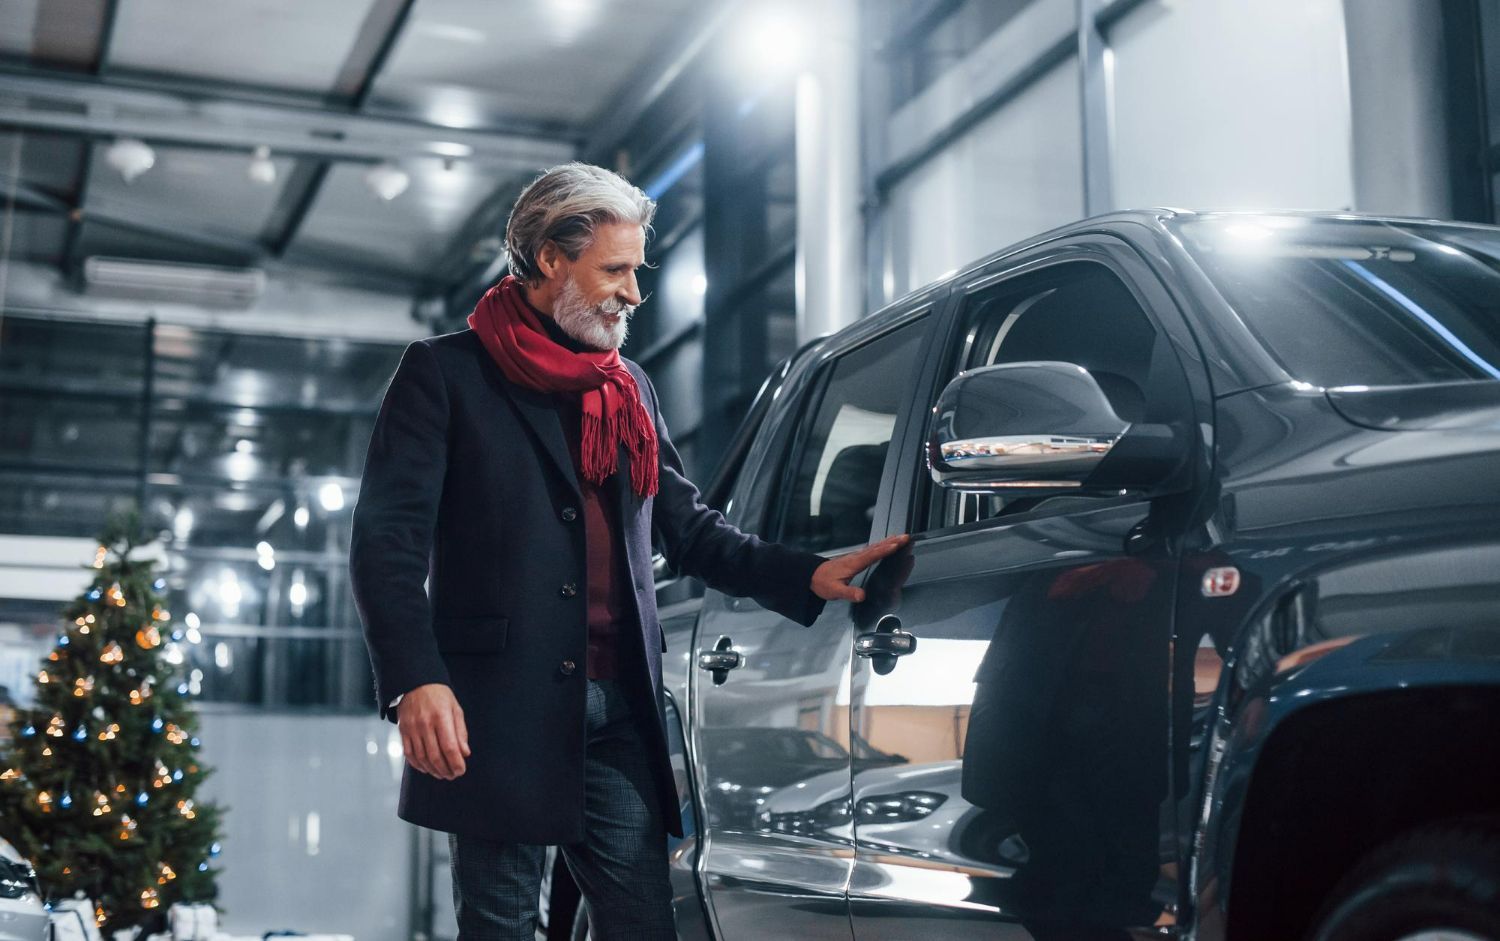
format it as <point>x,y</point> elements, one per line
<point>450,149</point>
<point>773,42</point>
<point>262,169</point>
<point>331,496</point>
<point>387,180</point>
<point>130,157</point>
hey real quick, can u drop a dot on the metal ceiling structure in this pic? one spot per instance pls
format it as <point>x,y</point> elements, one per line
<point>468,98</point>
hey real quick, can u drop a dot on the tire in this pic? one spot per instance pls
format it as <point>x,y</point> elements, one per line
<point>1436,884</point>
<point>581,921</point>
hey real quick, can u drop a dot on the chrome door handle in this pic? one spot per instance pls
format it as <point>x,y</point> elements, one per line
<point>720,660</point>
<point>884,644</point>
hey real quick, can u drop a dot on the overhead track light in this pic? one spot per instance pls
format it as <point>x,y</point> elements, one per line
<point>131,157</point>
<point>262,168</point>
<point>387,180</point>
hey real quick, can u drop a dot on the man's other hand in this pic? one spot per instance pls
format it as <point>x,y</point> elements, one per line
<point>831,579</point>
<point>433,734</point>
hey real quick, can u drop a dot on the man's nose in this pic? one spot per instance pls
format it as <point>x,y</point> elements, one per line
<point>632,291</point>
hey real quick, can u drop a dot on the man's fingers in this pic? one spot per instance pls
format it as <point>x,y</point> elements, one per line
<point>411,747</point>
<point>847,593</point>
<point>462,730</point>
<point>432,741</point>
<point>869,555</point>
<point>448,741</point>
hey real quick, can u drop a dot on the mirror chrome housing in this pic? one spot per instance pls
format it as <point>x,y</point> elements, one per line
<point>1038,428</point>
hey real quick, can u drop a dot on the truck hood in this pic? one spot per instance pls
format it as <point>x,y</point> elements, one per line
<point>1455,406</point>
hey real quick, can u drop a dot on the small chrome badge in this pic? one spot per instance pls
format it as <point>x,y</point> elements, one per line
<point>1221,582</point>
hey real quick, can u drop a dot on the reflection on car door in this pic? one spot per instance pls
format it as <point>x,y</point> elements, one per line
<point>766,724</point>
<point>1031,717</point>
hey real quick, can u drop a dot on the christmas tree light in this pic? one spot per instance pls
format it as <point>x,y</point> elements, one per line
<point>89,750</point>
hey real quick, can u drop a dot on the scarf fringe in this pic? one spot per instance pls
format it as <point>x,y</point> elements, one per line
<point>631,426</point>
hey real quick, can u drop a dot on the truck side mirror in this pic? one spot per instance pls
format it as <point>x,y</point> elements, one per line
<point>1042,428</point>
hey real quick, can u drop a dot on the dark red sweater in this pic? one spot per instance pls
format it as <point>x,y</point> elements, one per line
<point>607,577</point>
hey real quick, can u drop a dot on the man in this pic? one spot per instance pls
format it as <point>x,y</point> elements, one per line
<point>520,467</point>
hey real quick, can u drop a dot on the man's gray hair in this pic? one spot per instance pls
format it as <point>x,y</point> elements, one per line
<point>566,205</point>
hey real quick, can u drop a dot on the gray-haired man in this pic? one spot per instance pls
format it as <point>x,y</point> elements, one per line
<point>520,467</point>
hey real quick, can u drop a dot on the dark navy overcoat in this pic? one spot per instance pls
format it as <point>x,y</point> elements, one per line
<point>469,488</point>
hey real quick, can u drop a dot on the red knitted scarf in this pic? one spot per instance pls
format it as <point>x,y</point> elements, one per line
<point>612,411</point>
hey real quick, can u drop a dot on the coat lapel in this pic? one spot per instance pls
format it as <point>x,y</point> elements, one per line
<point>539,411</point>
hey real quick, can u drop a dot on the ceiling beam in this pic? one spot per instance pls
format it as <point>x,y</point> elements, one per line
<point>108,108</point>
<point>372,48</point>
<point>618,118</point>
<point>248,251</point>
<point>106,35</point>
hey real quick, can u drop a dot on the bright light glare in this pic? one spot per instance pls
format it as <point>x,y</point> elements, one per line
<point>301,516</point>
<point>230,594</point>
<point>331,497</point>
<point>774,41</point>
<point>1252,233</point>
<point>700,284</point>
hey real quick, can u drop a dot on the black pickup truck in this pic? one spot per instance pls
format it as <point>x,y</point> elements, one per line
<point>1199,632</point>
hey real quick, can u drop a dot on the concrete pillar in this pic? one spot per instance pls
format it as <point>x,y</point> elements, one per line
<point>830,226</point>
<point>1399,108</point>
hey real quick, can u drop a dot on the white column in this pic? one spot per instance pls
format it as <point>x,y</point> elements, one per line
<point>830,227</point>
<point>1396,67</point>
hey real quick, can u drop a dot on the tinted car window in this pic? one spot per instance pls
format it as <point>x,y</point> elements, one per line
<point>1342,303</point>
<point>840,452</point>
<point>1077,313</point>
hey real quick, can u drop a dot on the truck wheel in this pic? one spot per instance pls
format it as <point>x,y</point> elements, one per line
<point>1438,884</point>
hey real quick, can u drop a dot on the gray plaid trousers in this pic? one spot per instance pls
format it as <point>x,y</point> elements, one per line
<point>621,865</point>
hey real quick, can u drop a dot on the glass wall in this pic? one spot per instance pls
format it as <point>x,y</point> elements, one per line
<point>246,451</point>
<point>991,126</point>
<point>1221,104</point>
<point>1016,173</point>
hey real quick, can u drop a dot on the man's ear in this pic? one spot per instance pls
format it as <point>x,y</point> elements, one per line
<point>550,260</point>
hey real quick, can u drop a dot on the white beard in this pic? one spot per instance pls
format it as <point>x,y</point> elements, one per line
<point>586,322</point>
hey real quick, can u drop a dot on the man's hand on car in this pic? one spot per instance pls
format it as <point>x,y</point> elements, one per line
<point>433,734</point>
<point>830,580</point>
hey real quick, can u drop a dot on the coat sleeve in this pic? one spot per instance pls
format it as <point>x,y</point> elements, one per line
<point>698,541</point>
<point>394,518</point>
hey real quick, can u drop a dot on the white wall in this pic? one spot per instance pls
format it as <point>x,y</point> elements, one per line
<point>312,842</point>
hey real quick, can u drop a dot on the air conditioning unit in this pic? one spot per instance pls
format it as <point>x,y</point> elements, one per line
<point>204,285</point>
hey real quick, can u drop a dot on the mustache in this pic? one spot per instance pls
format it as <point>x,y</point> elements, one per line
<point>614,306</point>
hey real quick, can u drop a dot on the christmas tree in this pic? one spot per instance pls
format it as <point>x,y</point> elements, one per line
<point>97,788</point>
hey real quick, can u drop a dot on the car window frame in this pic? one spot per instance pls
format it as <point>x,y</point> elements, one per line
<point>816,394</point>
<point>1152,293</point>
<point>787,437</point>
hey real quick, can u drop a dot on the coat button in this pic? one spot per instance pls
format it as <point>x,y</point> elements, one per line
<point>568,590</point>
<point>569,514</point>
<point>567,667</point>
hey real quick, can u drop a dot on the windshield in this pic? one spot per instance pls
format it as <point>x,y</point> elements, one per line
<point>1349,302</point>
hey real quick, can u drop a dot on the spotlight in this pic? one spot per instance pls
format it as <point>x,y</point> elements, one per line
<point>387,180</point>
<point>262,170</point>
<point>331,496</point>
<point>131,157</point>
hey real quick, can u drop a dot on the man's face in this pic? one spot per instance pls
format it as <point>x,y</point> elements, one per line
<point>599,292</point>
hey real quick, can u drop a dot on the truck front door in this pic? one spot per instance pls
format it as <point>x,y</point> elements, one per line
<point>1010,772</point>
